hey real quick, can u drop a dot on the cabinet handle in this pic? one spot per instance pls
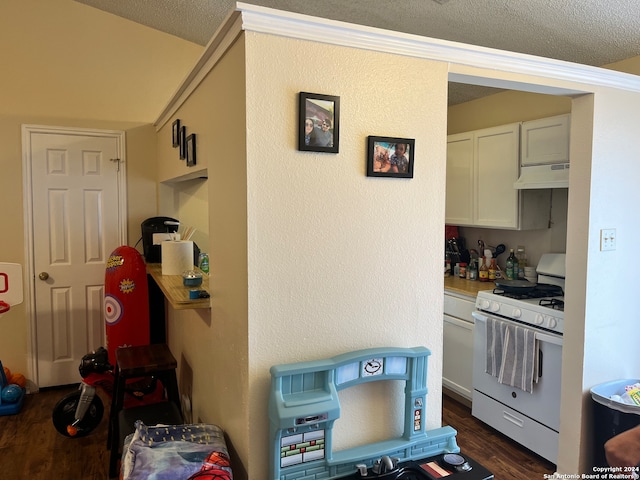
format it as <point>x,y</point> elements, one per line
<point>510,418</point>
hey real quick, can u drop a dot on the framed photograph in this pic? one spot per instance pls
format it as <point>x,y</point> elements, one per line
<point>175,133</point>
<point>191,150</point>
<point>182,139</point>
<point>390,157</point>
<point>318,123</point>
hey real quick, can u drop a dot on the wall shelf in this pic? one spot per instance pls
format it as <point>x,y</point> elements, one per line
<point>175,292</point>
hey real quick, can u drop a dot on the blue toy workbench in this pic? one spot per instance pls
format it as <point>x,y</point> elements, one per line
<point>304,404</point>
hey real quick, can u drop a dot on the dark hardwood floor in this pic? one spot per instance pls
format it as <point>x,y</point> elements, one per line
<point>502,456</point>
<point>31,448</point>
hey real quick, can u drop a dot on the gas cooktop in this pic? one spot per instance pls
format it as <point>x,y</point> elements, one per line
<point>452,466</point>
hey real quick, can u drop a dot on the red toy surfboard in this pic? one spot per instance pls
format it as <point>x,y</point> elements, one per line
<point>126,300</point>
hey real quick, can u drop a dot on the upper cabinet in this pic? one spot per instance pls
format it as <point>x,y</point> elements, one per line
<point>545,141</point>
<point>481,168</point>
<point>460,181</point>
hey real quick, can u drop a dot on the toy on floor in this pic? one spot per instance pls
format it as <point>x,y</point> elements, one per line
<point>11,395</point>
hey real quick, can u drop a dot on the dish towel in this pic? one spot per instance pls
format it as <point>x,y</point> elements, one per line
<point>511,354</point>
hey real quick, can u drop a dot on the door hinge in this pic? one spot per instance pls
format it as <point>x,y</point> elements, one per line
<point>116,160</point>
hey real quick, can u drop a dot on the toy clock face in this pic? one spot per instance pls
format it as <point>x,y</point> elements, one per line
<point>372,367</point>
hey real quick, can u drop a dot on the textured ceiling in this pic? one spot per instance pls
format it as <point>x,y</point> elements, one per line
<point>591,32</point>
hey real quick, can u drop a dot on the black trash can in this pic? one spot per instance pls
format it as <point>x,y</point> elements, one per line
<point>610,416</point>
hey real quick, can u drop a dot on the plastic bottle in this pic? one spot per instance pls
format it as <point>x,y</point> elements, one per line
<point>512,266</point>
<point>483,271</point>
<point>492,269</point>
<point>204,262</point>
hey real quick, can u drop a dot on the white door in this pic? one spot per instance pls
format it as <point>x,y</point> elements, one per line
<point>75,211</point>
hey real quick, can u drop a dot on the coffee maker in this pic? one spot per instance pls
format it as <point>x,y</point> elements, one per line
<point>154,231</point>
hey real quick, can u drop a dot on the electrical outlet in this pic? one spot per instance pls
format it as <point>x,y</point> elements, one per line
<point>607,239</point>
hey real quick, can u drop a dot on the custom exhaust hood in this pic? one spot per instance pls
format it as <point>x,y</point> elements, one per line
<point>543,176</point>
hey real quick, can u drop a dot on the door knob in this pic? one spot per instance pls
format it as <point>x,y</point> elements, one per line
<point>43,276</point>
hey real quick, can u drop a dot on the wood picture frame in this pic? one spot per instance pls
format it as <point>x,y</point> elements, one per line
<point>390,157</point>
<point>318,122</point>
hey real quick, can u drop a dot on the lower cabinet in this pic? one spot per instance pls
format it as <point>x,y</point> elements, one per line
<point>457,362</point>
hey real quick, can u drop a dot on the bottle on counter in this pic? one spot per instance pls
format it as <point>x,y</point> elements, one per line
<point>462,270</point>
<point>203,262</point>
<point>483,271</point>
<point>473,269</point>
<point>492,270</point>
<point>447,265</point>
<point>522,260</point>
<point>512,266</point>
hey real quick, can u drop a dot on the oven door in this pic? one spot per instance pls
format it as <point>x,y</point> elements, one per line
<point>543,405</point>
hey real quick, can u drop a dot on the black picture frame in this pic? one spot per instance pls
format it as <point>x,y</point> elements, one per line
<point>175,133</point>
<point>323,113</point>
<point>191,150</point>
<point>183,142</point>
<point>380,157</point>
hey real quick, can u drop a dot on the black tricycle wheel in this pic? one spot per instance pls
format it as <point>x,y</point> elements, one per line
<point>65,410</point>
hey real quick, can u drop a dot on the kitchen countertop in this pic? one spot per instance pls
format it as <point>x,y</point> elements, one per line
<point>462,286</point>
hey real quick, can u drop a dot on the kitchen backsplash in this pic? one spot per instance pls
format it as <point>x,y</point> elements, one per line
<point>536,242</point>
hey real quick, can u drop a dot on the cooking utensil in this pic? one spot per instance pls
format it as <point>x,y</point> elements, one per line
<point>499,249</point>
<point>515,286</point>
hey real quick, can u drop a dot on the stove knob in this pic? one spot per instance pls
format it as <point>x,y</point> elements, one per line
<point>552,322</point>
<point>517,313</point>
<point>483,304</point>
<point>495,307</point>
<point>539,320</point>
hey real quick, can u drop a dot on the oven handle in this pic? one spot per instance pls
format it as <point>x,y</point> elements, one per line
<point>540,336</point>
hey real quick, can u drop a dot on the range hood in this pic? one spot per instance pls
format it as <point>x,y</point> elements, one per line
<point>543,176</point>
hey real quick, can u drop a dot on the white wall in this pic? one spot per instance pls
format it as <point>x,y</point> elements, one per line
<point>339,261</point>
<point>602,331</point>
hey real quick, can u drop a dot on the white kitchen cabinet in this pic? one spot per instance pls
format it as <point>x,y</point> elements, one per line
<point>482,167</point>
<point>545,141</point>
<point>457,361</point>
<point>459,185</point>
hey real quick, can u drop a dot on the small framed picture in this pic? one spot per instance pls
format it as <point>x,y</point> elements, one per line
<point>183,142</point>
<point>175,133</point>
<point>191,150</point>
<point>318,123</point>
<point>390,157</point>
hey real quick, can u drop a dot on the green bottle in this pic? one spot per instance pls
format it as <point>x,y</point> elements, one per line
<point>512,266</point>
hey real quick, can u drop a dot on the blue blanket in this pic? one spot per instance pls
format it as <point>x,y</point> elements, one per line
<point>174,452</point>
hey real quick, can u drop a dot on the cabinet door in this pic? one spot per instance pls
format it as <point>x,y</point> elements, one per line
<point>545,141</point>
<point>496,164</point>
<point>459,194</point>
<point>457,356</point>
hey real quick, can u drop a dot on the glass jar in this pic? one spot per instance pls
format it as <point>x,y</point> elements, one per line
<point>463,270</point>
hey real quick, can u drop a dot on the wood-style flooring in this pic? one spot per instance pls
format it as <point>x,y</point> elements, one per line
<point>31,448</point>
<point>502,456</point>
